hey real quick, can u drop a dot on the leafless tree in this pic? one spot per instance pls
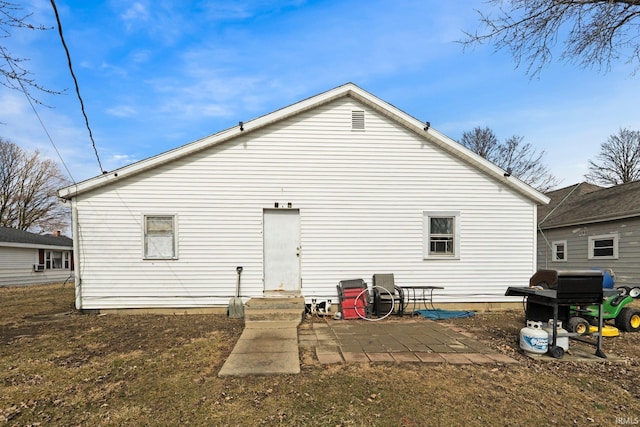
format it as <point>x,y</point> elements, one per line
<point>13,73</point>
<point>28,185</point>
<point>618,161</point>
<point>593,33</point>
<point>518,159</point>
<point>481,141</point>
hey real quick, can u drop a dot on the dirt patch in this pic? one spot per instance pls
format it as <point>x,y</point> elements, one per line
<point>64,368</point>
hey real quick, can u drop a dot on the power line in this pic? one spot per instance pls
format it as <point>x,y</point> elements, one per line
<point>75,81</point>
<point>26,94</point>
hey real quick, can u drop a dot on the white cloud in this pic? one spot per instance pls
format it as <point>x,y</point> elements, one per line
<point>122,111</point>
<point>141,56</point>
<point>242,9</point>
<point>115,161</point>
<point>136,12</point>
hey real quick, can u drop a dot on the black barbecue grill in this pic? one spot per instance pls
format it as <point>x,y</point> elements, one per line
<point>553,298</point>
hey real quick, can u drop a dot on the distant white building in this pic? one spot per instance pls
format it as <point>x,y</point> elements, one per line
<point>34,259</point>
<point>338,186</point>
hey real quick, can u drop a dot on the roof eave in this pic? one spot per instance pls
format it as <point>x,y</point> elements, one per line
<point>592,220</point>
<point>34,246</point>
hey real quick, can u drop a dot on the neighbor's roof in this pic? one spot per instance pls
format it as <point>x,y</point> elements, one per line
<point>346,90</point>
<point>19,238</point>
<point>587,203</point>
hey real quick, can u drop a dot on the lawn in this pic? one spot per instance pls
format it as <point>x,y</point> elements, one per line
<point>61,367</point>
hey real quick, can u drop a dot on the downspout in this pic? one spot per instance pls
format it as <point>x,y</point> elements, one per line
<point>76,253</point>
<point>546,258</point>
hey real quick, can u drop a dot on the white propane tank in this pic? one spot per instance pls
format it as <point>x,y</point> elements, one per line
<point>560,341</point>
<point>533,338</point>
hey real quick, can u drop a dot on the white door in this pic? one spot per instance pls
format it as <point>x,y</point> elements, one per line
<point>281,239</point>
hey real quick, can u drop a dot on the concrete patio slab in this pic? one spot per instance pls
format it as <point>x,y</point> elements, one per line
<point>456,358</point>
<point>330,358</point>
<point>355,357</point>
<point>479,358</point>
<point>405,357</point>
<point>271,348</point>
<point>399,340</point>
<point>434,358</point>
<point>380,357</point>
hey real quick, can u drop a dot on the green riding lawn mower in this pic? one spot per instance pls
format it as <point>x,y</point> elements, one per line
<point>583,320</point>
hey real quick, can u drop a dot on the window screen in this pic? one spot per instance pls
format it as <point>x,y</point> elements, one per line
<point>159,239</point>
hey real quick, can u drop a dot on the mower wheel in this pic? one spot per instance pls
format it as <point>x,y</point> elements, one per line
<point>578,325</point>
<point>628,319</point>
<point>635,292</point>
<point>624,290</point>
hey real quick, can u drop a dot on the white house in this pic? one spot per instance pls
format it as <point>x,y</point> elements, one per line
<point>34,259</point>
<point>338,186</point>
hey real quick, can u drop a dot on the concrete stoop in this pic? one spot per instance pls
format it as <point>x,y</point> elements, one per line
<point>269,342</point>
<point>274,309</point>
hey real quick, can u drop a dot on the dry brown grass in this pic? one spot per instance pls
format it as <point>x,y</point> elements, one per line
<point>59,367</point>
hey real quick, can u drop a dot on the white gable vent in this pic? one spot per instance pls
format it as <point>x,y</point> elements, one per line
<point>357,120</point>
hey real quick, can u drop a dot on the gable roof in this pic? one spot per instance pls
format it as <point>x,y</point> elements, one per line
<point>346,90</point>
<point>19,238</point>
<point>585,203</point>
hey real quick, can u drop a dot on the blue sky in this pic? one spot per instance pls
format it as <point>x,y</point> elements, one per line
<point>155,75</point>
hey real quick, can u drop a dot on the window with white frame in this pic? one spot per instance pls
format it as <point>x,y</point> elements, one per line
<point>559,250</point>
<point>603,247</point>
<point>159,237</point>
<point>57,260</point>
<point>441,235</point>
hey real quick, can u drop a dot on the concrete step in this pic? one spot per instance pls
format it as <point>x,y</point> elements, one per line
<point>274,309</point>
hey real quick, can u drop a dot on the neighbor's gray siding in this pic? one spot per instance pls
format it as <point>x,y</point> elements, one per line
<point>361,196</point>
<point>626,267</point>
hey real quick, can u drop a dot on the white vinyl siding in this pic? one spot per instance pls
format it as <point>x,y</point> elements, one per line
<point>17,267</point>
<point>361,198</point>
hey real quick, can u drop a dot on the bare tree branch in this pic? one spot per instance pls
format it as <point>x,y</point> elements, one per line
<point>13,72</point>
<point>591,33</point>
<point>520,160</point>
<point>481,141</point>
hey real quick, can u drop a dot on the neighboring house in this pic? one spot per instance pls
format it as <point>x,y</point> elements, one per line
<point>339,186</point>
<point>586,226</point>
<point>31,259</point>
